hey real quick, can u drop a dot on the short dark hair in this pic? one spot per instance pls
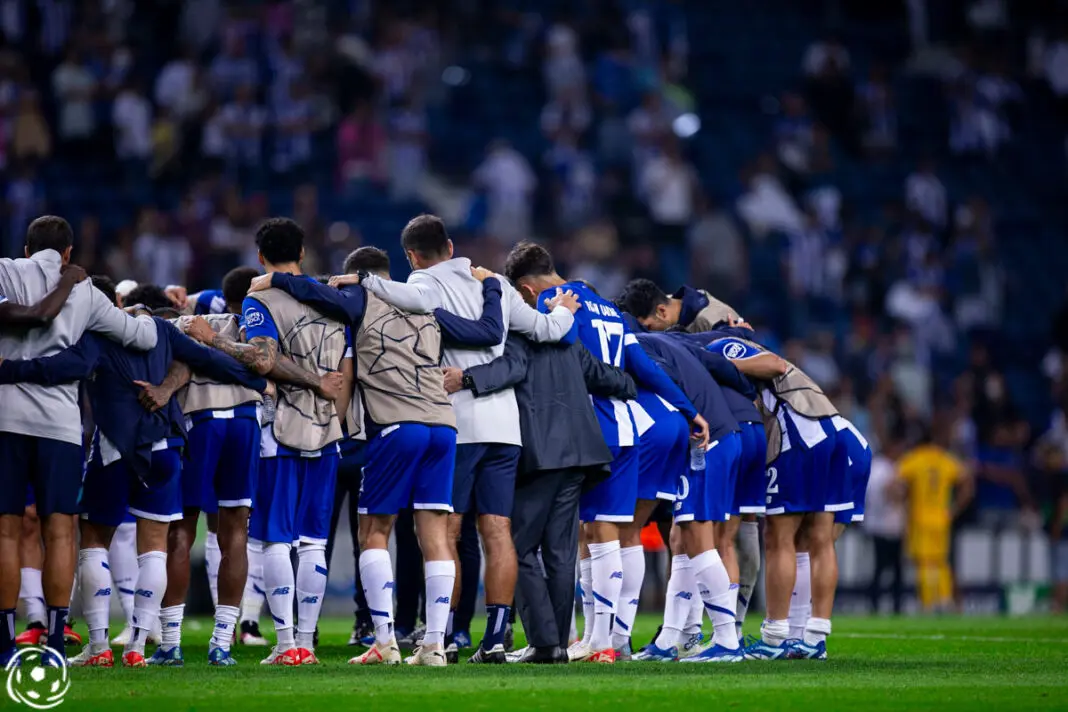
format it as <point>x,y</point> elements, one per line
<point>166,313</point>
<point>49,232</point>
<point>641,297</point>
<point>150,295</point>
<point>528,259</point>
<point>426,236</point>
<point>236,283</point>
<point>280,240</point>
<point>369,259</point>
<point>106,285</point>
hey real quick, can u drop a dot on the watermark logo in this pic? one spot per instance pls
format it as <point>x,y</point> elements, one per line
<point>37,676</point>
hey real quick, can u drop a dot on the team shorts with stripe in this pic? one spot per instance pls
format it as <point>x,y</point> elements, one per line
<point>112,492</point>
<point>801,479</point>
<point>221,463</point>
<point>858,469</point>
<point>749,490</point>
<point>614,498</point>
<point>294,498</point>
<point>706,492</point>
<point>663,451</point>
<point>408,465</point>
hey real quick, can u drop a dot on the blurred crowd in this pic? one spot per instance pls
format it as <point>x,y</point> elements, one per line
<point>206,116</point>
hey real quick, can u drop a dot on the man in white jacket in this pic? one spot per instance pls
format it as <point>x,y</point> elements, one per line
<point>488,437</point>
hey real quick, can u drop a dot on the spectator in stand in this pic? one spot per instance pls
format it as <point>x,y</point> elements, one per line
<point>818,361</point>
<point>613,76</point>
<point>31,140</point>
<point>292,118</point>
<point>131,117</point>
<point>767,207</point>
<point>563,70</point>
<point>829,87</point>
<point>718,252</point>
<point>361,147</point>
<point>884,522</point>
<point>569,111</point>
<point>75,88</point>
<point>1002,488</point>
<point>793,136</point>
<point>824,53</point>
<point>574,181</point>
<point>286,70</point>
<point>925,195</point>
<point>669,188</point>
<point>649,125</point>
<point>407,149</point>
<point>243,123</point>
<point>878,113</point>
<point>394,64</point>
<point>1054,465</point>
<point>175,82</point>
<point>233,68</point>
<point>25,200</point>
<point>162,258</point>
<point>508,182</point>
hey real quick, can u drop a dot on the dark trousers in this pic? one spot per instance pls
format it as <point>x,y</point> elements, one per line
<point>348,485</point>
<point>410,583</point>
<point>887,558</point>
<point>545,516</point>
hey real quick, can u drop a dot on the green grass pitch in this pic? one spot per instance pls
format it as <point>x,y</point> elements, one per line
<point>944,663</point>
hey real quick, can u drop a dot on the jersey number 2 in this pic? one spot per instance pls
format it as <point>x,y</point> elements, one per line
<point>607,331</point>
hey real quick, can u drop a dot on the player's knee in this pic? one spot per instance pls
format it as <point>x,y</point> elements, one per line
<point>496,531</point>
<point>58,529</point>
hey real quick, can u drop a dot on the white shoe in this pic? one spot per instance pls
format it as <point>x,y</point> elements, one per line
<point>428,656</point>
<point>286,658</point>
<point>693,645</point>
<point>87,658</point>
<point>123,638</point>
<point>388,654</point>
<point>516,655</point>
<point>579,651</point>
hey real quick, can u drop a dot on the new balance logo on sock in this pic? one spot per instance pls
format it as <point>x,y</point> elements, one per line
<point>442,599</point>
<point>222,626</point>
<point>310,599</point>
<point>685,595</point>
<point>174,624</point>
<point>634,601</point>
<point>281,591</point>
<point>102,592</point>
<point>387,584</point>
<point>616,575</point>
<point>144,592</point>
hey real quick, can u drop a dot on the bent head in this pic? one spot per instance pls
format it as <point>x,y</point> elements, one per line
<point>235,286</point>
<point>530,268</point>
<point>281,245</point>
<point>426,241</point>
<point>50,232</point>
<point>368,259</point>
<point>647,303</point>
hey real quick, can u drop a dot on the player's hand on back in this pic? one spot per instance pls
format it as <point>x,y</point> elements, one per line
<point>699,431</point>
<point>341,280</point>
<point>330,386</point>
<point>454,379</point>
<point>199,329</point>
<point>152,398</point>
<point>568,300</point>
<point>481,273</point>
<point>260,283</point>
<point>179,296</point>
<point>73,274</point>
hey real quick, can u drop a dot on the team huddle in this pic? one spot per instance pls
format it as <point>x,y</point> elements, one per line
<point>566,421</point>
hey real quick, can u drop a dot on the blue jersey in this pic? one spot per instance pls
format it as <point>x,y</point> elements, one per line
<point>600,327</point>
<point>210,301</point>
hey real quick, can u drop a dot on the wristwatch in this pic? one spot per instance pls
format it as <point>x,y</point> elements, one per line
<point>467,382</point>
<point>362,274</point>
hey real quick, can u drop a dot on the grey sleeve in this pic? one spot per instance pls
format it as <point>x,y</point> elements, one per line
<point>108,320</point>
<point>419,295</point>
<point>533,324</point>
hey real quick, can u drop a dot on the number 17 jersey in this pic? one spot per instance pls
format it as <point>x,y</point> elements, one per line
<point>600,328</point>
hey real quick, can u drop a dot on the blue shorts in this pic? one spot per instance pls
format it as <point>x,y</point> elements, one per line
<point>111,492</point>
<point>408,465</point>
<point>707,494</point>
<point>800,479</point>
<point>858,464</point>
<point>615,498</point>
<point>485,478</point>
<point>294,499</point>
<point>221,464</point>
<point>749,490</point>
<point>662,454</point>
<point>51,468</point>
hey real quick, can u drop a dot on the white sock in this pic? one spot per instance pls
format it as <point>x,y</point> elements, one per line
<point>606,567</point>
<point>151,585</point>
<point>212,557</point>
<point>225,622</point>
<point>774,632</point>
<point>311,588</point>
<point>31,592</point>
<point>254,597</point>
<point>96,595</point>
<point>817,631</point>
<point>170,619</point>
<point>677,606</point>
<point>633,559</point>
<point>801,600</point>
<point>586,585</point>
<point>376,576</point>
<point>747,544</point>
<point>279,584</point>
<point>122,557</point>
<point>715,587</point>
<point>440,577</point>
<point>696,615</point>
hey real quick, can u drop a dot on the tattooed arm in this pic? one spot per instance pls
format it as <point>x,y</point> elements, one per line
<point>153,398</point>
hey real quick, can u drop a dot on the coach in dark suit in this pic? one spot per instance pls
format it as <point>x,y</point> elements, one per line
<point>562,447</point>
